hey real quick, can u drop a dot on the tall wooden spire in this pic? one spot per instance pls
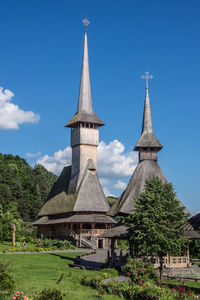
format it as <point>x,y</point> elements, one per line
<point>85,112</point>
<point>148,145</point>
<point>147,121</point>
<point>85,98</point>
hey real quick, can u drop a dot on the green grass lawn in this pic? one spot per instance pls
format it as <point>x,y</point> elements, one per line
<point>34,272</point>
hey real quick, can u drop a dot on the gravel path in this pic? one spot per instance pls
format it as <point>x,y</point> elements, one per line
<point>94,260</point>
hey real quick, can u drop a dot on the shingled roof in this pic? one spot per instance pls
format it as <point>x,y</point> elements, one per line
<point>126,204</point>
<point>85,112</point>
<point>76,218</point>
<point>117,232</point>
<point>193,223</point>
<point>147,168</point>
<point>89,196</point>
<point>84,117</point>
<point>147,139</point>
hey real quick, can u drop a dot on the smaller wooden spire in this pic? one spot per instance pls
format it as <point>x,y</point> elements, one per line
<point>148,145</point>
<point>147,121</point>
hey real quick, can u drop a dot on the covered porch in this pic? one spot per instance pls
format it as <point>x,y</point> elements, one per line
<point>84,230</point>
<point>119,232</point>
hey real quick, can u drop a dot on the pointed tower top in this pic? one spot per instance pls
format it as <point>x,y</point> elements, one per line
<point>85,98</point>
<point>86,22</point>
<point>147,121</point>
<point>147,139</point>
<point>85,112</point>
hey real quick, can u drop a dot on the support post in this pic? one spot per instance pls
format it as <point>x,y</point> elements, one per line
<point>92,227</point>
<point>80,234</point>
<point>113,252</point>
<point>13,236</point>
<point>188,255</point>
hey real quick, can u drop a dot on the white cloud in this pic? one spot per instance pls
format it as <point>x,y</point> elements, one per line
<point>56,162</point>
<point>121,185</point>
<point>11,116</point>
<point>114,162</point>
<point>107,192</point>
<point>32,155</point>
<point>104,181</point>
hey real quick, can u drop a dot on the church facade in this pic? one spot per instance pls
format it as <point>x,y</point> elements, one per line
<point>76,207</point>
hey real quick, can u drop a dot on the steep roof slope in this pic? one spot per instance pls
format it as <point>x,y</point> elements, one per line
<point>89,196</point>
<point>126,203</point>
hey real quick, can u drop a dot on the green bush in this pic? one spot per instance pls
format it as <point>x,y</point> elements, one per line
<point>94,282</point>
<point>6,282</point>
<point>140,271</point>
<point>49,294</point>
<point>4,266</point>
<point>56,244</point>
<point>123,244</point>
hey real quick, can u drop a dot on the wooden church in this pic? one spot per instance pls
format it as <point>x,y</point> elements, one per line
<point>76,206</point>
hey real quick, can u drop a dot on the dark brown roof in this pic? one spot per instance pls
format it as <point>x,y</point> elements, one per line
<point>192,224</point>
<point>85,118</point>
<point>77,218</point>
<point>88,197</point>
<point>195,221</point>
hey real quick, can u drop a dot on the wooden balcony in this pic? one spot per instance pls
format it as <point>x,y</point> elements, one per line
<point>94,232</point>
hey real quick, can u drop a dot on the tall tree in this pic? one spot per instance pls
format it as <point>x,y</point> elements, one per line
<point>155,224</point>
<point>23,185</point>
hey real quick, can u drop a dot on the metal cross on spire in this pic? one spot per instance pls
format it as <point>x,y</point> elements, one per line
<point>147,77</point>
<point>86,22</point>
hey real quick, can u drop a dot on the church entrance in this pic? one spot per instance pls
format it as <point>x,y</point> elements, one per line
<point>100,244</point>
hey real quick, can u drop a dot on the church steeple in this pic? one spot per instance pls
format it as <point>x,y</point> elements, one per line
<point>85,98</point>
<point>148,145</point>
<point>84,125</point>
<point>147,121</point>
<point>85,114</point>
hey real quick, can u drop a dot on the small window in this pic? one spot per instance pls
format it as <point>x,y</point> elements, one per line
<point>100,244</point>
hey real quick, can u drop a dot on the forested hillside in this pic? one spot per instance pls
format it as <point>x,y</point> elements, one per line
<point>22,186</point>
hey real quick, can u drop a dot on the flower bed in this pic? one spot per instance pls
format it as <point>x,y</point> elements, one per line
<point>144,284</point>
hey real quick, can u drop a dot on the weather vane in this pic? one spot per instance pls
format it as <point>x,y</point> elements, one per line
<point>86,22</point>
<point>147,77</point>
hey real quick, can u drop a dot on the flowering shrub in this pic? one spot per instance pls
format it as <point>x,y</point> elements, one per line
<point>182,293</point>
<point>139,271</point>
<point>18,296</point>
<point>137,291</point>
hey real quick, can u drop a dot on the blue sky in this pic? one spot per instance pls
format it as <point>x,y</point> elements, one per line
<point>40,59</point>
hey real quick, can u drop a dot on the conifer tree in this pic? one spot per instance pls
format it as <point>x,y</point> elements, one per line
<point>155,224</point>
